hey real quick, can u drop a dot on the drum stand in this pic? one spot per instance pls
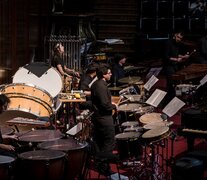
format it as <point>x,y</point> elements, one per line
<point>155,166</point>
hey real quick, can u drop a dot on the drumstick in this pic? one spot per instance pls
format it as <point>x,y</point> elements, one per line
<point>25,133</point>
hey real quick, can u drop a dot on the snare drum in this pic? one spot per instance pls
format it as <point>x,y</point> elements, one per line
<point>156,134</point>
<point>150,117</point>
<point>6,167</point>
<point>41,165</point>
<point>76,154</point>
<point>128,145</point>
<point>126,112</point>
<point>50,81</point>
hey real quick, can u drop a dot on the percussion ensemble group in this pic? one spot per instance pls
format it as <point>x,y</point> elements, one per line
<point>53,134</point>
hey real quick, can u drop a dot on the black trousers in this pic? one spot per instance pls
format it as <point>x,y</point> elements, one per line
<point>103,135</point>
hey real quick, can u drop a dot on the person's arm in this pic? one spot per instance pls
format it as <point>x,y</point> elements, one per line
<point>71,72</point>
<point>7,147</point>
<point>60,69</point>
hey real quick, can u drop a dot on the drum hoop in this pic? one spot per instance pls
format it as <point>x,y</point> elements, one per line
<point>130,123</point>
<point>157,138</point>
<point>126,110</point>
<point>147,114</point>
<point>20,95</point>
<point>30,85</point>
<point>8,158</point>
<point>45,145</point>
<point>34,99</point>
<point>127,138</point>
<point>57,133</point>
<point>38,158</point>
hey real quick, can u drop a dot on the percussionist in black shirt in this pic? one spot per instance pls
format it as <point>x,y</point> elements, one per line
<point>84,85</point>
<point>118,71</point>
<point>104,131</point>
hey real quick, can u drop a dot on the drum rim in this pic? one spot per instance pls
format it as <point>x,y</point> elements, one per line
<point>26,133</point>
<point>28,111</point>
<point>30,85</point>
<point>58,141</point>
<point>158,124</point>
<point>45,157</point>
<point>128,110</point>
<point>133,123</point>
<point>9,159</point>
<point>167,129</point>
<point>147,114</point>
<point>126,138</point>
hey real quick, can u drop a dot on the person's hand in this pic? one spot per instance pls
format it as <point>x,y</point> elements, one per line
<point>77,74</point>
<point>7,147</point>
<point>116,105</point>
<point>179,59</point>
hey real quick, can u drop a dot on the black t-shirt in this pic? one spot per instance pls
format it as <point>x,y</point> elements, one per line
<point>101,98</point>
<point>57,60</point>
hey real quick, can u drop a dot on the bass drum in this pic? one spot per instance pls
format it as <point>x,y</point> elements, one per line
<point>51,80</point>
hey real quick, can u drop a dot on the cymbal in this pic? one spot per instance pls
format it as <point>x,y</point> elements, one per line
<point>130,79</point>
<point>124,86</point>
<point>139,83</point>
<point>115,88</point>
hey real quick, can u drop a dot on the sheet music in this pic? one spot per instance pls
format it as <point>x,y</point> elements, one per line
<point>150,82</point>
<point>202,81</point>
<point>156,97</point>
<point>173,107</point>
<point>114,41</point>
<point>153,71</point>
<point>76,129</point>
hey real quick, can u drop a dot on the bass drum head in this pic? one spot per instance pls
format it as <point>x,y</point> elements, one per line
<point>50,81</point>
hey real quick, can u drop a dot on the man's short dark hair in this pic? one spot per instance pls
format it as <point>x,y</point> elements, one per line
<point>92,68</point>
<point>101,71</point>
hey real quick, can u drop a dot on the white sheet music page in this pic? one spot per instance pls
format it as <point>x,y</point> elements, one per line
<point>153,71</point>
<point>156,97</point>
<point>173,107</point>
<point>150,82</point>
<point>202,81</point>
